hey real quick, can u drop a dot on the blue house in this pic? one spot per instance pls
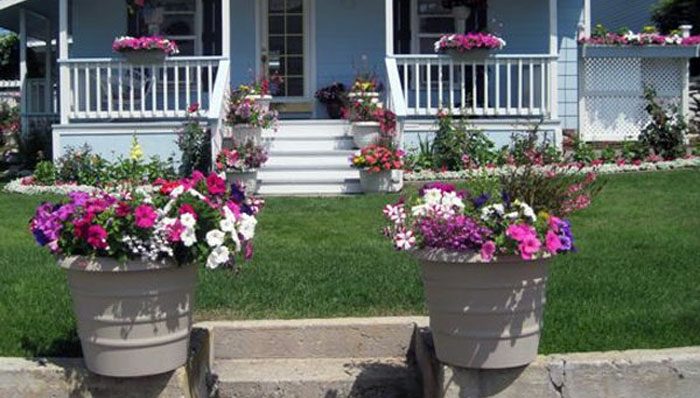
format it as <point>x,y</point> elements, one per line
<point>100,99</point>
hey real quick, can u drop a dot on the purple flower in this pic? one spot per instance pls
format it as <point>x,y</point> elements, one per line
<point>443,187</point>
<point>481,200</point>
<point>79,198</point>
<point>458,233</point>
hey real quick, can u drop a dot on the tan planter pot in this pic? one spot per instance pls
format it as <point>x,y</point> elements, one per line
<point>243,132</point>
<point>484,316</point>
<point>144,57</point>
<point>365,133</point>
<point>387,181</point>
<point>248,178</point>
<point>134,319</point>
<point>263,100</point>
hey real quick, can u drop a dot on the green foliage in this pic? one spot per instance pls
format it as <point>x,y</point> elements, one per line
<point>668,15</point>
<point>195,143</point>
<point>608,155</point>
<point>457,143</point>
<point>9,59</point>
<point>633,150</point>
<point>45,173</point>
<point>583,152</point>
<point>530,149</point>
<point>35,145</point>
<point>665,134</point>
<point>421,158</point>
<point>9,123</point>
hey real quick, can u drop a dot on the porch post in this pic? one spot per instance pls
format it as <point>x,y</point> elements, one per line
<point>554,63</point>
<point>23,69</point>
<point>64,86</point>
<point>389,26</point>
<point>226,28</point>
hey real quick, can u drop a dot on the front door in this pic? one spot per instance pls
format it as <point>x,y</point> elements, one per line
<point>285,48</point>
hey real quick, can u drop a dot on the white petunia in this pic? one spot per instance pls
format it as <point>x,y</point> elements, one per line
<point>218,256</point>
<point>451,200</point>
<point>432,197</point>
<point>189,238</point>
<point>215,238</point>
<point>188,220</point>
<point>177,192</point>
<point>228,224</point>
<point>247,226</point>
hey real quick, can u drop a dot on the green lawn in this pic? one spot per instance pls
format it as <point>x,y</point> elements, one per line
<point>634,284</point>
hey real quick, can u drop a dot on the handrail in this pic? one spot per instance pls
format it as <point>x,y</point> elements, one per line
<point>395,92</point>
<point>218,106</point>
<point>116,60</point>
<point>490,56</point>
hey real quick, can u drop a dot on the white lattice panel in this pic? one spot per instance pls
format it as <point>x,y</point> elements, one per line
<point>663,74</point>
<point>612,74</point>
<point>612,90</point>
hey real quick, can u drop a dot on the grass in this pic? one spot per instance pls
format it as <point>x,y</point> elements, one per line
<point>634,283</point>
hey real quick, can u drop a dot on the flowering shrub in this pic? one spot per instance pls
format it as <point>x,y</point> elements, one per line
<point>442,218</point>
<point>194,220</point>
<point>377,158</point>
<point>146,43</point>
<point>10,125</point>
<point>243,109</point>
<point>261,86</point>
<point>335,93</point>
<point>247,156</point>
<point>664,135</point>
<point>466,42</point>
<point>649,36</point>
<point>194,142</point>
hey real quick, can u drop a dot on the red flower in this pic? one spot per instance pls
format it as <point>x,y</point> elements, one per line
<point>216,185</point>
<point>188,209</point>
<point>194,108</point>
<point>97,237</point>
<point>168,187</point>
<point>123,209</point>
<point>145,216</point>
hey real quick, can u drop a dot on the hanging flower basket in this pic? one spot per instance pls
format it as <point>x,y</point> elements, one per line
<point>144,57</point>
<point>469,45</point>
<point>144,50</point>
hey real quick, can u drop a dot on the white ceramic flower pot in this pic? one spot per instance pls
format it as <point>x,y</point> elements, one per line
<point>484,315</point>
<point>263,100</point>
<point>365,133</point>
<point>372,96</point>
<point>144,57</point>
<point>134,319</point>
<point>240,133</point>
<point>249,179</point>
<point>387,181</point>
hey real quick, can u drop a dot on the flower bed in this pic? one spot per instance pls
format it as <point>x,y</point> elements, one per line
<point>648,37</point>
<point>596,166</point>
<point>463,43</point>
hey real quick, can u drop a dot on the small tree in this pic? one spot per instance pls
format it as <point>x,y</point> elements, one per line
<point>665,134</point>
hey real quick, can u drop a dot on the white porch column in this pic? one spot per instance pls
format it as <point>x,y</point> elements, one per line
<point>389,26</point>
<point>24,93</point>
<point>554,63</point>
<point>64,85</point>
<point>226,28</point>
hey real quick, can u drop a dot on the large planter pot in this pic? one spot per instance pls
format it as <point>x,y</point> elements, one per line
<point>244,132</point>
<point>365,133</point>
<point>263,100</point>
<point>484,315</point>
<point>144,57</point>
<point>356,96</point>
<point>134,319</point>
<point>387,181</point>
<point>249,179</point>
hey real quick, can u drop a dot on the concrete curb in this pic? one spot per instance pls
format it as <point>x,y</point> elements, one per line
<point>665,373</point>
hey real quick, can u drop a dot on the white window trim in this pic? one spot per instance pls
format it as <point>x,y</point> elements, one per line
<point>309,47</point>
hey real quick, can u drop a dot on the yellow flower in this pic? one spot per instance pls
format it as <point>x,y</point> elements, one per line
<point>136,153</point>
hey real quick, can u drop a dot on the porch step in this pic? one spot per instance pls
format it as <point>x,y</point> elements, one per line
<point>311,378</point>
<point>309,157</point>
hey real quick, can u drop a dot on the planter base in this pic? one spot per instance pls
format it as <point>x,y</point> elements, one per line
<point>365,133</point>
<point>249,179</point>
<point>133,321</point>
<point>383,182</point>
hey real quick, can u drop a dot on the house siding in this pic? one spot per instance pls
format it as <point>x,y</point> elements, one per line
<point>634,14</point>
<point>524,25</point>
<point>95,24</point>
<point>570,13</point>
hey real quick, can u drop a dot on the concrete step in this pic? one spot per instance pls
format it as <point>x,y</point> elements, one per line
<point>304,162</point>
<point>329,143</point>
<point>308,175</point>
<point>309,189</point>
<point>322,378</point>
<point>301,128</point>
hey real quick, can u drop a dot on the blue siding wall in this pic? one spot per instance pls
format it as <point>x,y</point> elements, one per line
<point>570,13</point>
<point>522,24</point>
<point>634,14</point>
<point>95,25</point>
<point>161,144</point>
<point>243,32</point>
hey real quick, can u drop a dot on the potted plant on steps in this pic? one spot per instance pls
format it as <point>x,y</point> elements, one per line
<point>370,123</point>
<point>241,164</point>
<point>366,87</point>
<point>485,261</point>
<point>260,91</point>
<point>381,168</point>
<point>334,97</point>
<point>247,116</point>
<point>146,50</point>
<point>131,260</point>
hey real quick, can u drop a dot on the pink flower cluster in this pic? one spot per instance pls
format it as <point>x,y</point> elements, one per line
<point>146,43</point>
<point>467,42</point>
<point>640,39</point>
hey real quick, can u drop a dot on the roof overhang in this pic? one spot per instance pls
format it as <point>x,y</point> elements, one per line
<point>37,12</point>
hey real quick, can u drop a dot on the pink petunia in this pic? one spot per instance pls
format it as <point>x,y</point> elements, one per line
<point>97,237</point>
<point>188,209</point>
<point>529,247</point>
<point>553,242</point>
<point>216,185</point>
<point>145,216</point>
<point>487,251</point>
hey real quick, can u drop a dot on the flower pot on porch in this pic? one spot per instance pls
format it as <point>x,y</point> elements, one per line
<point>263,100</point>
<point>334,110</point>
<point>359,96</point>
<point>134,318</point>
<point>365,133</point>
<point>244,132</point>
<point>484,315</point>
<point>144,57</point>
<point>385,181</point>
<point>249,179</point>
<point>477,54</point>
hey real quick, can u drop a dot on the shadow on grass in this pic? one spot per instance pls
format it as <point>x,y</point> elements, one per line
<point>67,346</point>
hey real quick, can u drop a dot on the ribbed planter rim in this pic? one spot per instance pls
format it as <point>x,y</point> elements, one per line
<point>108,264</point>
<point>454,257</point>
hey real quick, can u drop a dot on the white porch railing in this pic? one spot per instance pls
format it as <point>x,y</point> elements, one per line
<point>105,88</point>
<point>499,85</point>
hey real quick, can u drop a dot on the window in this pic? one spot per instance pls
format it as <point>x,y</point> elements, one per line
<point>173,19</point>
<point>432,20</point>
<point>286,44</point>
